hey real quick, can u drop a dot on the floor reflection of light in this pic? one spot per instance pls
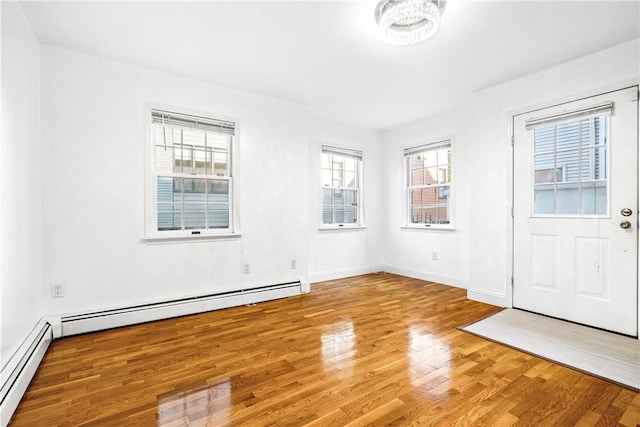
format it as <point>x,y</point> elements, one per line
<point>429,362</point>
<point>337,347</point>
<point>207,404</point>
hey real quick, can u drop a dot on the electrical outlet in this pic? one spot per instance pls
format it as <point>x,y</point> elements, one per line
<point>434,256</point>
<point>293,264</point>
<point>246,268</point>
<point>57,291</point>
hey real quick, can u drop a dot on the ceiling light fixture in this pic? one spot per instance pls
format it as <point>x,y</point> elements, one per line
<point>405,22</point>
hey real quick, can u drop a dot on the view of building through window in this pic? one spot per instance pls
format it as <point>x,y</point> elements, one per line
<point>570,168</point>
<point>429,184</point>
<point>341,181</point>
<point>192,172</point>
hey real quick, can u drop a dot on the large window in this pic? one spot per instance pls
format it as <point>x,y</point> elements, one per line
<point>192,174</point>
<point>428,184</point>
<point>341,186</point>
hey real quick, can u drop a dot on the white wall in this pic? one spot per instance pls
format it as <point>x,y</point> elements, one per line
<point>345,252</point>
<point>479,250</point>
<point>409,251</point>
<point>21,292</point>
<point>488,128</point>
<point>93,134</point>
<point>94,120</point>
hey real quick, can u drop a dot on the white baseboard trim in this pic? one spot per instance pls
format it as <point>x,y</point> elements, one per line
<point>21,368</point>
<point>444,279</point>
<point>305,286</point>
<point>342,273</point>
<point>487,297</point>
<point>56,325</point>
<point>107,319</point>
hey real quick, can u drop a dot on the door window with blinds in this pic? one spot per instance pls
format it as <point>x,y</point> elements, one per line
<point>192,173</point>
<point>570,167</point>
<point>428,184</point>
<point>341,186</point>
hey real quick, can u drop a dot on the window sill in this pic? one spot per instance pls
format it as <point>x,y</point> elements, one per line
<point>332,228</point>
<point>429,227</point>
<point>161,240</point>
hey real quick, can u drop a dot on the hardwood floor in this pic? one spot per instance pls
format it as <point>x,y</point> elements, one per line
<point>378,349</point>
<point>606,355</point>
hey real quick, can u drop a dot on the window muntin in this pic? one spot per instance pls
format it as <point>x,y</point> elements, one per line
<point>577,150</point>
<point>341,186</point>
<point>192,173</point>
<point>428,190</point>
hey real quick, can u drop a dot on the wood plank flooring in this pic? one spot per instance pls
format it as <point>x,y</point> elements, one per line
<point>377,349</point>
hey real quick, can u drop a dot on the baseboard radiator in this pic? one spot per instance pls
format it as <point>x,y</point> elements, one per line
<point>20,369</point>
<point>107,319</point>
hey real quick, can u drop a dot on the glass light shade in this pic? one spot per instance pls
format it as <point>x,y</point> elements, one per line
<point>406,22</point>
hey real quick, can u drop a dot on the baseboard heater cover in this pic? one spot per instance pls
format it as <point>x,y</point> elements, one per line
<point>21,368</point>
<point>108,319</point>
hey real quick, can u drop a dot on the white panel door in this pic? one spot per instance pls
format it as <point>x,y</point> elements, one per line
<point>576,211</point>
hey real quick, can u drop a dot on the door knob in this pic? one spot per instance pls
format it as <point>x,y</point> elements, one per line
<point>625,224</point>
<point>626,212</point>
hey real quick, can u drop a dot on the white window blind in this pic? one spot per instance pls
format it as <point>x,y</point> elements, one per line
<point>189,121</point>
<point>426,147</point>
<point>345,152</point>
<point>605,108</point>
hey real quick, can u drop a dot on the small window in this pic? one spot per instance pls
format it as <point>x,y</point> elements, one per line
<point>428,189</point>
<point>192,174</point>
<point>576,149</point>
<point>341,186</point>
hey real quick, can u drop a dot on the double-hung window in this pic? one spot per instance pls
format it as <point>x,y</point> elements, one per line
<point>192,168</point>
<point>428,184</point>
<point>341,186</point>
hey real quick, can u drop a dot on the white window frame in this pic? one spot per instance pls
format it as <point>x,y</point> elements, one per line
<point>152,235</point>
<point>599,111</point>
<point>407,152</point>
<point>358,155</point>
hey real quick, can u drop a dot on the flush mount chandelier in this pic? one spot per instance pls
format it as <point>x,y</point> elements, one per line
<point>405,22</point>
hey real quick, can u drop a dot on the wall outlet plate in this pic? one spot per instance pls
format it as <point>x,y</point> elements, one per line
<point>57,290</point>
